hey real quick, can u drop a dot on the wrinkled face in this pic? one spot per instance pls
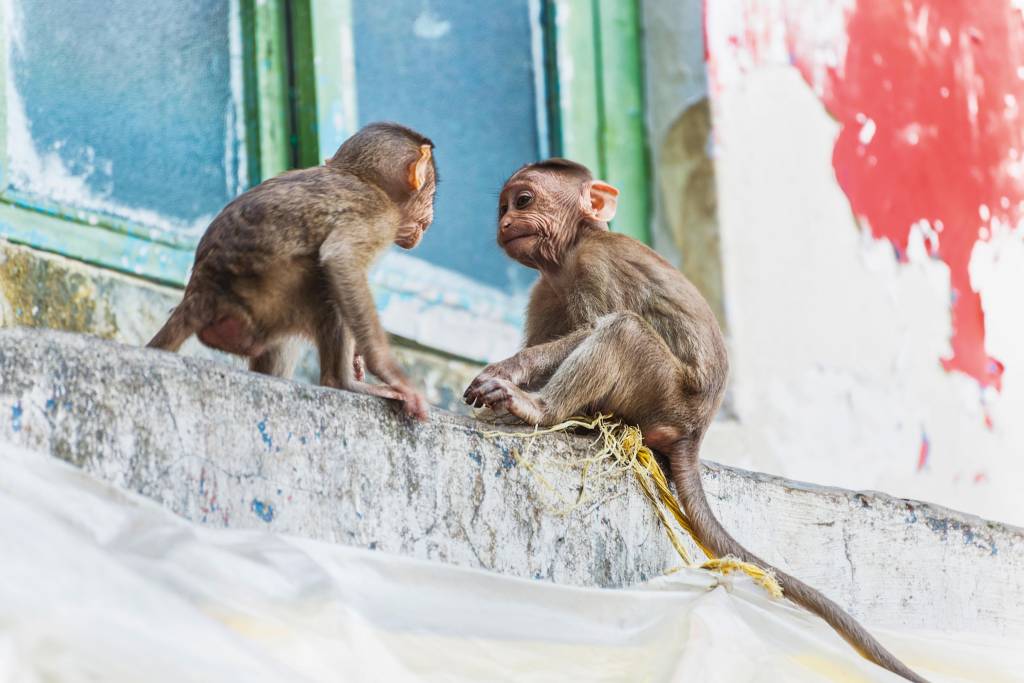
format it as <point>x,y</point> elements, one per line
<point>536,215</point>
<point>418,213</point>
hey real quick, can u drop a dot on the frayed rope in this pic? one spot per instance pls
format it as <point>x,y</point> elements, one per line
<point>620,447</point>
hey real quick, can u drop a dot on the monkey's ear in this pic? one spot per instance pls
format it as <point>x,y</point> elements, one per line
<point>418,168</point>
<point>600,201</point>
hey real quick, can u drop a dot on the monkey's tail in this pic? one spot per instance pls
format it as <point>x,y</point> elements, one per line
<point>686,475</point>
<point>179,327</point>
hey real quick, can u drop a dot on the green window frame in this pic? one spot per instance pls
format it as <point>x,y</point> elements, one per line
<point>601,110</point>
<point>299,104</point>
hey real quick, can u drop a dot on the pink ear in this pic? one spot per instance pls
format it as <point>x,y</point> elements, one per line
<point>603,200</point>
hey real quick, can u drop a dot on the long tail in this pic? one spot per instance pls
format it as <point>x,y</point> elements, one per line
<point>686,475</point>
<point>178,328</point>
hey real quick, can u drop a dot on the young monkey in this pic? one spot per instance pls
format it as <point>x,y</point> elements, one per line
<point>612,327</point>
<point>289,258</point>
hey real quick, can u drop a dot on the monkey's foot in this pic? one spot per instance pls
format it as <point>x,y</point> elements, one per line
<point>381,390</point>
<point>412,402</point>
<point>504,397</point>
<point>485,414</point>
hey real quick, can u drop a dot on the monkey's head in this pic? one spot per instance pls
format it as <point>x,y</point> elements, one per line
<point>400,162</point>
<point>544,208</point>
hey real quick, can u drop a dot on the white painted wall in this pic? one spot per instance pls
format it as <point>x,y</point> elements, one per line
<point>835,345</point>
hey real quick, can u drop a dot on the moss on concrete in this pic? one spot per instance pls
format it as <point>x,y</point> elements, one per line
<point>39,292</point>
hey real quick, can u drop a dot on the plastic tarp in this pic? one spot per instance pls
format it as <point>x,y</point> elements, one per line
<point>97,584</point>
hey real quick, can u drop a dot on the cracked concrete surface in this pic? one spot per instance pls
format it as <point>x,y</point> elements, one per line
<point>229,448</point>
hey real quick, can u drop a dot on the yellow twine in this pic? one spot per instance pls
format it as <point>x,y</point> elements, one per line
<point>623,445</point>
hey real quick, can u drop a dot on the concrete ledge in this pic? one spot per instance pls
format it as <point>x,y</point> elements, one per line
<point>230,448</point>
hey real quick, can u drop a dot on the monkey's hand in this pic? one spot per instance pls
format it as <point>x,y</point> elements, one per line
<point>503,397</point>
<point>413,402</point>
<point>510,370</point>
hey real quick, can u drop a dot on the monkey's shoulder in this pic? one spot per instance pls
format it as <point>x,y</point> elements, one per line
<point>316,192</point>
<point>621,273</point>
<point>619,257</point>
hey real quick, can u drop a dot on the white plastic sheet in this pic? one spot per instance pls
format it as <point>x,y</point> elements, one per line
<point>100,585</point>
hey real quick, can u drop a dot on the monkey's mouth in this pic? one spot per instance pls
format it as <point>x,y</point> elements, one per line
<point>411,238</point>
<point>506,241</point>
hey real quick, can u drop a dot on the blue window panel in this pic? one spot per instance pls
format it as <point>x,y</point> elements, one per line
<point>462,73</point>
<point>125,108</point>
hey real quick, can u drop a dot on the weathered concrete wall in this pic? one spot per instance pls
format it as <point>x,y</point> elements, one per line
<point>685,226</point>
<point>870,267</point>
<point>44,290</point>
<point>230,448</point>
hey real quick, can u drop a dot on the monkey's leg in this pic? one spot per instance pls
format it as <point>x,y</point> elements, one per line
<point>350,290</point>
<point>336,348</point>
<point>619,368</point>
<point>278,360</point>
<point>233,332</point>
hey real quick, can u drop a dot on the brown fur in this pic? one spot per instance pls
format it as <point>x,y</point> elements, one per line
<point>289,258</point>
<point>612,327</point>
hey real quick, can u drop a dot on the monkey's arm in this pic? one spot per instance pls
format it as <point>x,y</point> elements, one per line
<point>533,364</point>
<point>346,266</point>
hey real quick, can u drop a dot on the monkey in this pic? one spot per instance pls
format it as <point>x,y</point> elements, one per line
<point>289,259</point>
<point>612,327</point>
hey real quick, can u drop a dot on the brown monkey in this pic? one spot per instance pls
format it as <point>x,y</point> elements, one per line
<point>612,327</point>
<point>289,258</point>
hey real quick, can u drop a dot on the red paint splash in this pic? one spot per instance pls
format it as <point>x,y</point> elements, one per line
<point>928,97</point>
<point>938,81</point>
<point>922,455</point>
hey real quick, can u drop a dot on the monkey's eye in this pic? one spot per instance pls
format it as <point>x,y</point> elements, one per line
<point>523,200</point>
<point>502,209</point>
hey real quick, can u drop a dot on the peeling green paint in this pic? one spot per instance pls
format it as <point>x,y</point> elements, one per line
<point>599,67</point>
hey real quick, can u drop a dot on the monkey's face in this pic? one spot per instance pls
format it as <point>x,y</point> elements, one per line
<point>418,214</point>
<point>534,220</point>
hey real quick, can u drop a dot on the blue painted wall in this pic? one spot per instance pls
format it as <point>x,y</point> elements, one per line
<point>134,97</point>
<point>465,78</point>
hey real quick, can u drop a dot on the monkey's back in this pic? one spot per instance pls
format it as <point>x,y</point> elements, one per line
<point>283,217</point>
<point>261,253</point>
<point>281,223</point>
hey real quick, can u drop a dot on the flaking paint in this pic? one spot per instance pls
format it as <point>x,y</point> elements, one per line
<point>927,94</point>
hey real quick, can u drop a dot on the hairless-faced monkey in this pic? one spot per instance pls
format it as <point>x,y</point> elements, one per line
<point>612,327</point>
<point>289,258</point>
